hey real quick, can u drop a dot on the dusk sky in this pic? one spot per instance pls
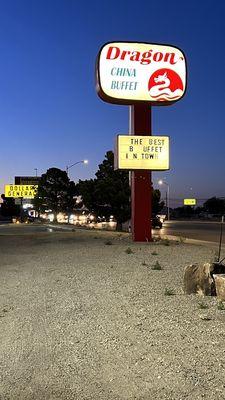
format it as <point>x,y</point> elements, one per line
<point>51,115</point>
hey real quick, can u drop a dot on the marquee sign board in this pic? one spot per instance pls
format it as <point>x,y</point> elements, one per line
<point>130,72</point>
<point>18,191</point>
<point>190,202</point>
<point>142,152</point>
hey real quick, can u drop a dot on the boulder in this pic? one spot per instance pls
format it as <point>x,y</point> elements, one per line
<point>220,286</point>
<point>198,279</point>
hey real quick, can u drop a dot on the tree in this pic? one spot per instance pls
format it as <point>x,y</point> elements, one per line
<point>109,193</point>
<point>157,205</point>
<point>184,212</point>
<point>55,192</point>
<point>215,205</point>
<point>9,208</point>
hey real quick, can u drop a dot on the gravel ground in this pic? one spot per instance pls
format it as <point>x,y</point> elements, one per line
<point>83,319</point>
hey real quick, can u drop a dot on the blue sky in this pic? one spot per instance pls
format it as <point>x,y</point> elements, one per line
<point>50,114</point>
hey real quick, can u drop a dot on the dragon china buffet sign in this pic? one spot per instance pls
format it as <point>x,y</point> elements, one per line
<point>130,72</point>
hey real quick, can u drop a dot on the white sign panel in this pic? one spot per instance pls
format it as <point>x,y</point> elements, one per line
<point>142,152</point>
<point>134,72</point>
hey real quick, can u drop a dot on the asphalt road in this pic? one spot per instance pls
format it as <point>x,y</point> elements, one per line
<point>198,230</point>
<point>25,229</point>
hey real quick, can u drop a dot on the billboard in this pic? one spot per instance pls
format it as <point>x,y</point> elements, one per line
<point>190,202</point>
<point>142,152</point>
<point>130,72</point>
<point>21,191</point>
<point>27,180</point>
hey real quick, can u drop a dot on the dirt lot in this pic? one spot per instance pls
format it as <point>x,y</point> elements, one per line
<point>92,316</point>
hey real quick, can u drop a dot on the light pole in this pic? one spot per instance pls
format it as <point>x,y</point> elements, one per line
<point>161,182</point>
<point>36,171</point>
<point>78,162</point>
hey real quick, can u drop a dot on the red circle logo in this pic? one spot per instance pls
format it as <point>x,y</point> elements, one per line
<point>165,84</point>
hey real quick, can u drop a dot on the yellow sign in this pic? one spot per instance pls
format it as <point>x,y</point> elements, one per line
<point>142,152</point>
<point>128,72</point>
<point>25,191</point>
<point>190,202</point>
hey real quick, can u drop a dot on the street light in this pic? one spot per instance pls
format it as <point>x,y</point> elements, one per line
<point>161,182</point>
<point>78,162</point>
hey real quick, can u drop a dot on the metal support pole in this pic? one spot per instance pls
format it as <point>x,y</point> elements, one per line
<point>141,185</point>
<point>21,208</point>
<point>168,202</point>
<point>221,235</point>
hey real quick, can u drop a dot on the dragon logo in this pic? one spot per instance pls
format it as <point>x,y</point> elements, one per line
<point>165,84</point>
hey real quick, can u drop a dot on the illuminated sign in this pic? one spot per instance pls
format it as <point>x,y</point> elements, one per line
<point>25,191</point>
<point>190,202</point>
<point>142,152</point>
<point>129,72</point>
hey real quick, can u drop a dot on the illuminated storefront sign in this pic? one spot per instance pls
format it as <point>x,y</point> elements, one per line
<point>142,152</point>
<point>190,202</point>
<point>134,72</point>
<point>25,191</point>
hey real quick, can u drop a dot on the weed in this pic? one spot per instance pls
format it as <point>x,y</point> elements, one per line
<point>129,250</point>
<point>205,317</point>
<point>154,253</point>
<point>156,266</point>
<point>202,306</point>
<point>220,305</point>
<point>108,242</point>
<point>182,240</point>
<point>144,263</point>
<point>157,239</point>
<point>169,292</point>
<point>166,242</point>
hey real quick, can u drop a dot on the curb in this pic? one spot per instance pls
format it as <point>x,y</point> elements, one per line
<point>191,241</point>
<point>170,237</point>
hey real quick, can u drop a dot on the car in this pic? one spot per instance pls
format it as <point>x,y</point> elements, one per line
<point>156,223</point>
<point>30,218</point>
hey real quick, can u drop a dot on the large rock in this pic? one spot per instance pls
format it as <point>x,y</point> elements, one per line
<point>198,279</point>
<point>220,286</point>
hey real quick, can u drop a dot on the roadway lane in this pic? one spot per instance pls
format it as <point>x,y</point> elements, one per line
<point>200,230</point>
<point>25,229</point>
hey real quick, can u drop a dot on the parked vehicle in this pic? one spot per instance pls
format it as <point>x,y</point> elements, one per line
<point>156,223</point>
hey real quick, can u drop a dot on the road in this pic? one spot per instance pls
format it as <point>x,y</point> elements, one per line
<point>198,230</point>
<point>25,229</point>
